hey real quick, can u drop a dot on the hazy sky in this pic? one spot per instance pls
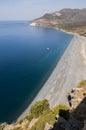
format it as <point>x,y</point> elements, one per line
<point>30,9</point>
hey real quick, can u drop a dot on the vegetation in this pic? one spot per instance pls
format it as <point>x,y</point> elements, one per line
<point>17,128</point>
<point>80,29</point>
<point>82,84</point>
<point>40,114</point>
<point>57,109</point>
<point>39,108</point>
<point>28,117</point>
<point>47,117</point>
<point>41,111</point>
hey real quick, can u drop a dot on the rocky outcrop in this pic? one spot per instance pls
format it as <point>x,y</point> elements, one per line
<point>77,114</point>
<point>47,126</point>
<point>73,119</point>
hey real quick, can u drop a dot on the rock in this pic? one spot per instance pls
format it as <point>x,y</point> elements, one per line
<point>47,127</point>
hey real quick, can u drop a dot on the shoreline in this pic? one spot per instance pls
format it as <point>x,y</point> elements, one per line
<point>72,33</point>
<point>60,77</point>
<point>43,91</point>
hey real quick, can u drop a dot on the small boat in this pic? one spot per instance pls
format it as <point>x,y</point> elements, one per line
<point>47,48</point>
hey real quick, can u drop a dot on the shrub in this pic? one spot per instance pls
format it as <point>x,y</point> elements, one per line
<point>47,117</point>
<point>18,128</point>
<point>20,121</point>
<point>39,126</point>
<point>82,84</point>
<point>39,107</point>
<point>29,117</point>
<point>58,108</point>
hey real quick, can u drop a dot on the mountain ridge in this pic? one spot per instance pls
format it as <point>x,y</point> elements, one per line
<point>73,20</point>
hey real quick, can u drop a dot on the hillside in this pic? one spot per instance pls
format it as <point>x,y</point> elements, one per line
<point>61,117</point>
<point>73,20</point>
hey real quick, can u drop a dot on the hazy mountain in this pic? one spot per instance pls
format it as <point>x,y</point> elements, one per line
<point>63,19</point>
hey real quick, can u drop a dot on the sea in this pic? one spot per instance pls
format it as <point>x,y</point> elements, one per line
<point>28,55</point>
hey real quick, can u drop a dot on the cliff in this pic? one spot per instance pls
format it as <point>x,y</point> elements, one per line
<point>67,118</point>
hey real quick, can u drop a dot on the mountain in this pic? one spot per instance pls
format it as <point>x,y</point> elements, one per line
<point>73,20</point>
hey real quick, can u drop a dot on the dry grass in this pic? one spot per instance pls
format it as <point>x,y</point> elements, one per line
<point>75,29</point>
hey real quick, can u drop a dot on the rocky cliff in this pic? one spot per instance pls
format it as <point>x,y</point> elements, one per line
<point>73,118</point>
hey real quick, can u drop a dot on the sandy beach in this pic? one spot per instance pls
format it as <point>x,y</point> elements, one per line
<point>70,70</point>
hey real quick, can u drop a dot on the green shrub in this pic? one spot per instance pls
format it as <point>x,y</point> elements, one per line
<point>82,84</point>
<point>47,117</point>
<point>20,121</point>
<point>17,128</point>
<point>27,124</point>
<point>29,117</point>
<point>39,126</point>
<point>57,109</point>
<point>39,107</point>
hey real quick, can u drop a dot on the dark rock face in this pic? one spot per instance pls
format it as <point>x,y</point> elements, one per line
<point>76,117</point>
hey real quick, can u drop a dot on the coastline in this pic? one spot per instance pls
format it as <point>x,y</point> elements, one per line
<point>35,25</point>
<point>55,88</point>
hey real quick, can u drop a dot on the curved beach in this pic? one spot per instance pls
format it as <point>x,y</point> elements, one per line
<point>70,70</point>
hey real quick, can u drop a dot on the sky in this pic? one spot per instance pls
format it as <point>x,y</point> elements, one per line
<point>31,9</point>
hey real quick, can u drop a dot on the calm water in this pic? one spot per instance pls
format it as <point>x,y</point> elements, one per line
<point>27,57</point>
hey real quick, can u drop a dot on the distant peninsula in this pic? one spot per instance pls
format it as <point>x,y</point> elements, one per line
<point>71,20</point>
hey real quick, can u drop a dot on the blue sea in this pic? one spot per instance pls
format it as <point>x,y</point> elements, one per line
<point>28,56</point>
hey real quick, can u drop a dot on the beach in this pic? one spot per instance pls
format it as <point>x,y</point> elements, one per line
<point>69,71</point>
<point>24,71</point>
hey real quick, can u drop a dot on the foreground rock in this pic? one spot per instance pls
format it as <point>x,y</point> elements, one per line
<point>73,119</point>
<point>77,114</point>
